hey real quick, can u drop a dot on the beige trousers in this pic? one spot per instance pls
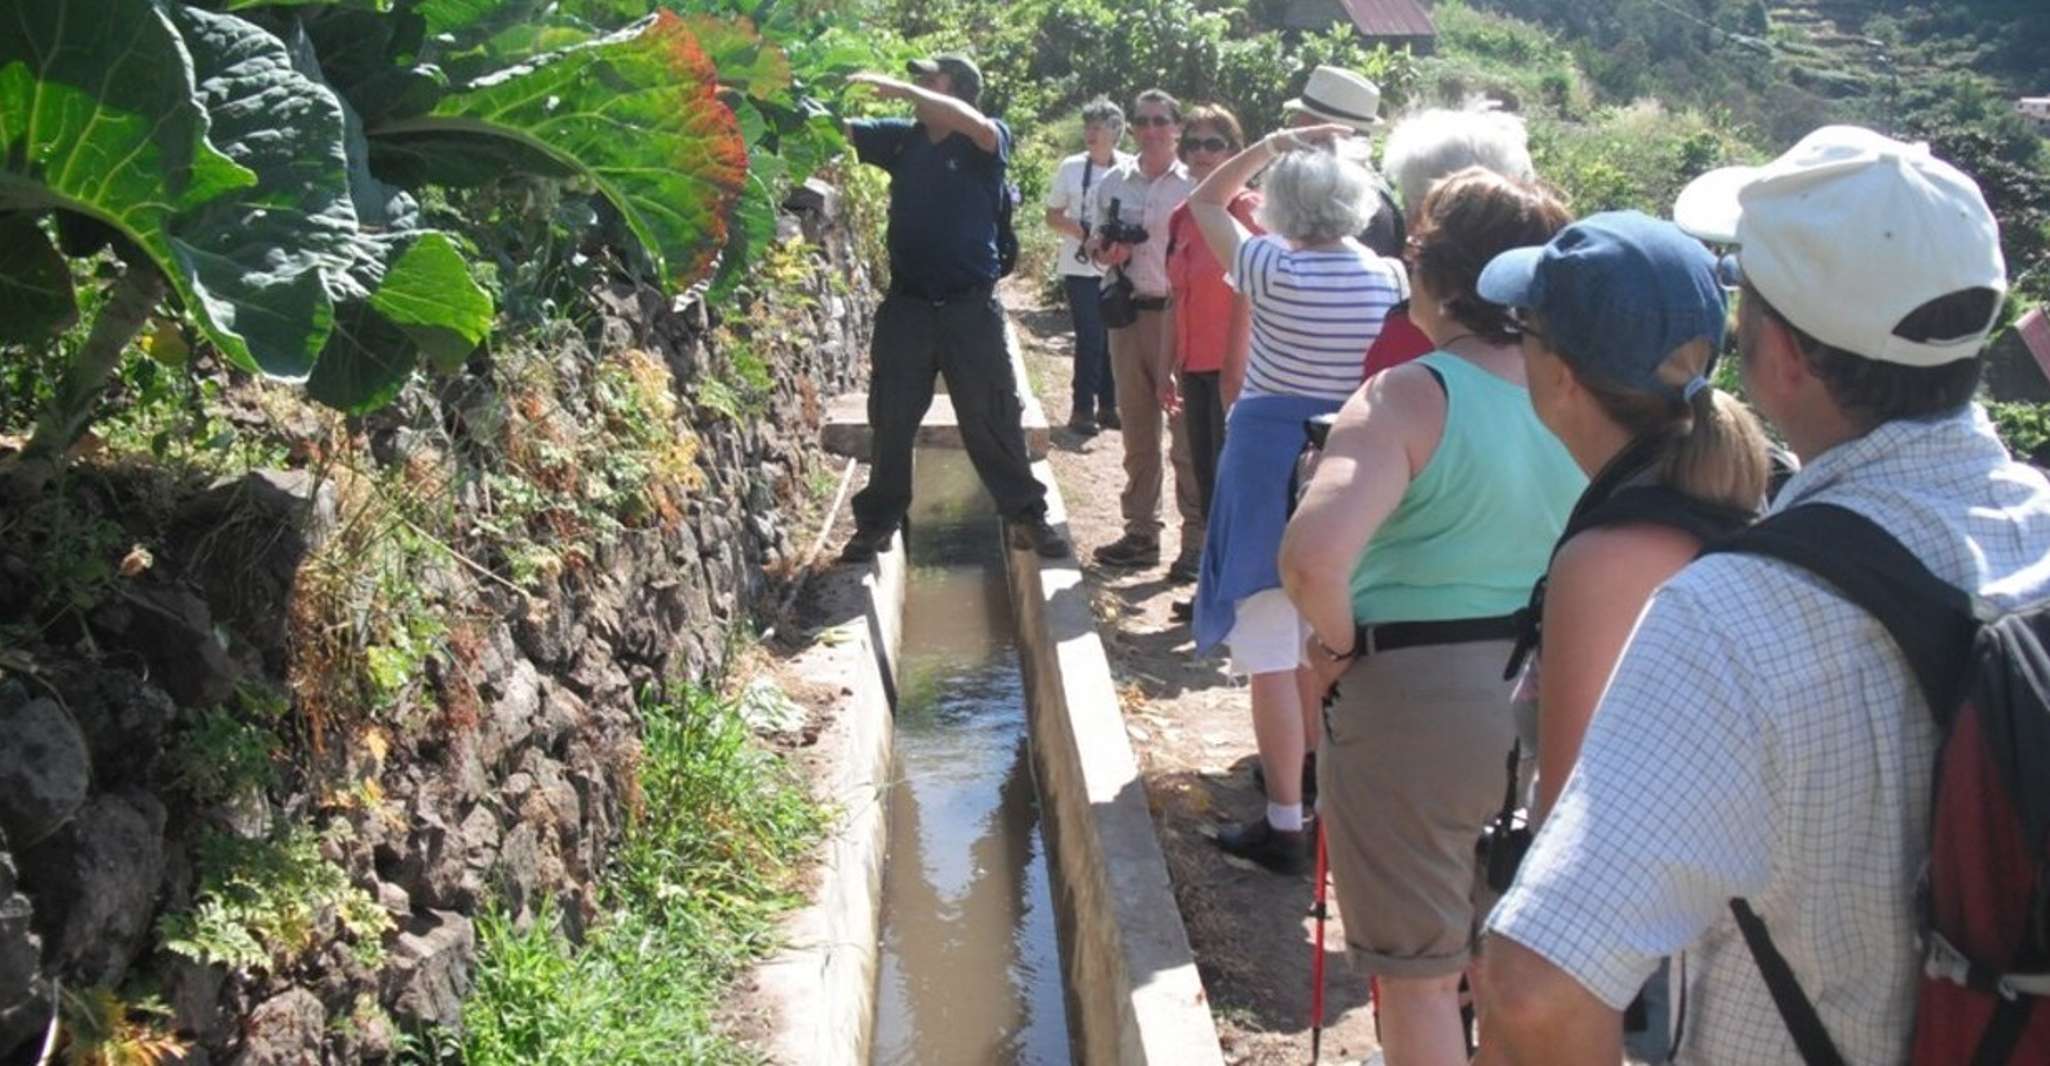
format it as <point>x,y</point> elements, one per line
<point>1140,355</point>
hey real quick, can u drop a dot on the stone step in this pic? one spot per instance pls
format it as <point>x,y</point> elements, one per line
<point>847,432</point>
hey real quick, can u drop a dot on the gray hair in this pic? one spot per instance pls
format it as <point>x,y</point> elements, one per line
<point>1102,111</point>
<point>1316,195</point>
<point>1433,144</point>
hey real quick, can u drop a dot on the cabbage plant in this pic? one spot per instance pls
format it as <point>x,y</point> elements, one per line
<point>254,167</point>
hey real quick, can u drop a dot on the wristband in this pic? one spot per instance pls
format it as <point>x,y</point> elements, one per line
<point>1335,656</point>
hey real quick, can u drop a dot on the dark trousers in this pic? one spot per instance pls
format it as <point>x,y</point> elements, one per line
<point>1203,411</point>
<point>915,341</point>
<point>1095,390</point>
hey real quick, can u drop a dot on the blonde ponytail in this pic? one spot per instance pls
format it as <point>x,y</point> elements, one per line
<point>1716,450</point>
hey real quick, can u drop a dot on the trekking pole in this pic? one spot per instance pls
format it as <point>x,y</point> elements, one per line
<point>1318,910</point>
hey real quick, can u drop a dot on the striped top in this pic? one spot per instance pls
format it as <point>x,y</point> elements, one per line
<point>1314,312</point>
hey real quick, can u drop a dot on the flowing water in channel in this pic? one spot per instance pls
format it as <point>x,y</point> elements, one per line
<point>970,970</point>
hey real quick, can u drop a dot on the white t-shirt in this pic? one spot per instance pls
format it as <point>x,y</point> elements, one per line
<point>1068,196</point>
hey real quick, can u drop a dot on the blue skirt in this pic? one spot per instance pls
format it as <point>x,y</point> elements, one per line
<point>1249,508</point>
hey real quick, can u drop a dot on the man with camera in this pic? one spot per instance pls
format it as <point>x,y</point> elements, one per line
<point>1128,238</point>
<point>941,316</point>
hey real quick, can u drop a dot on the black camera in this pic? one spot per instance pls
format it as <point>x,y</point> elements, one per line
<point>1115,230</point>
<point>1507,835</point>
<point>1500,849</point>
<point>1317,428</point>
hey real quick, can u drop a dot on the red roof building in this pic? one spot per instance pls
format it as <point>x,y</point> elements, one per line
<point>1397,19</point>
<point>1395,23</point>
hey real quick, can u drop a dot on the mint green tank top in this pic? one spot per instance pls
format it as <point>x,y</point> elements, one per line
<point>1476,527</point>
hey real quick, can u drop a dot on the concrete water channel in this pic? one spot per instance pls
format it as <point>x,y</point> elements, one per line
<point>1023,913</point>
<point>970,969</point>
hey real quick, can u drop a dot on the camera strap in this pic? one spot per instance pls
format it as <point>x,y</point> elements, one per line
<point>1508,812</point>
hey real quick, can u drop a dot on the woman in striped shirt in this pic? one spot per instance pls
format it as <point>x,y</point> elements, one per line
<point>1318,298</point>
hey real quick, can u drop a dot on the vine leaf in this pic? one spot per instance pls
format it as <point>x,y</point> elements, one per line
<point>635,113</point>
<point>35,283</point>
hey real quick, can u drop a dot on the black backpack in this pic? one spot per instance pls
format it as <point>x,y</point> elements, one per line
<point>1007,233</point>
<point>1985,893</point>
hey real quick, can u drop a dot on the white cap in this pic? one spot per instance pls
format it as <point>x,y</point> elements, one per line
<point>1849,232</point>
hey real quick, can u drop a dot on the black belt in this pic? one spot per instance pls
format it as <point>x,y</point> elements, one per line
<point>1389,636</point>
<point>977,294</point>
<point>1149,303</point>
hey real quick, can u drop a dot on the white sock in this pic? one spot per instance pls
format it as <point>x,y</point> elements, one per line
<point>1288,816</point>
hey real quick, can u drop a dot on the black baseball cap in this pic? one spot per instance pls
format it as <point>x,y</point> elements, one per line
<point>967,76</point>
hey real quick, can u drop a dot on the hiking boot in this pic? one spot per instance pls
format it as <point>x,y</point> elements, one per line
<point>1129,552</point>
<point>1309,779</point>
<point>1284,851</point>
<point>1035,534</point>
<point>1185,567</point>
<point>865,543</point>
<point>1110,420</point>
<point>1083,426</point>
<point>1183,610</point>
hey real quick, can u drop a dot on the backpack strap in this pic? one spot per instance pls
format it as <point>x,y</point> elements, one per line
<point>1932,621</point>
<point>1811,1037</point>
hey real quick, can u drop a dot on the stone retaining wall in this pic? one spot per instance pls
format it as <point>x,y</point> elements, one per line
<point>512,776</point>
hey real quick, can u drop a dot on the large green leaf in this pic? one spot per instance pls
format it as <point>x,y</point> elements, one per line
<point>367,361</point>
<point>35,283</point>
<point>406,290</point>
<point>754,223</point>
<point>635,113</point>
<point>427,291</point>
<point>265,255</point>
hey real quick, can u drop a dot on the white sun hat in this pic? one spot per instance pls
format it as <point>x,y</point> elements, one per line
<point>1336,94</point>
<point>1848,232</point>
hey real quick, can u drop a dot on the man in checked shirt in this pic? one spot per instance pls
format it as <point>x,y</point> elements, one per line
<point>1761,738</point>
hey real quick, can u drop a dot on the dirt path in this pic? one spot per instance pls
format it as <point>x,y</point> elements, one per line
<point>1190,727</point>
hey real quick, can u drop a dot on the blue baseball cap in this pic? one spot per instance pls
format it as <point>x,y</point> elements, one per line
<point>1619,292</point>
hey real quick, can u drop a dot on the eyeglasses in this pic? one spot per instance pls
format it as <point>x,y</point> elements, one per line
<point>1208,144</point>
<point>1155,121</point>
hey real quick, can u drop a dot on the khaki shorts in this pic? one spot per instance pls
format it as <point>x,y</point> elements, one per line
<point>1409,772</point>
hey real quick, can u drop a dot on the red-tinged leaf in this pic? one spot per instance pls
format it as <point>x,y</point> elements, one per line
<point>636,113</point>
<point>744,59</point>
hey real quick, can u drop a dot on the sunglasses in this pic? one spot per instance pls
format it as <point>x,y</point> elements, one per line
<point>1208,144</point>
<point>1520,320</point>
<point>1155,121</point>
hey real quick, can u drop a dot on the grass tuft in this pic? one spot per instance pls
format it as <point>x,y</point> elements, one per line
<point>706,864</point>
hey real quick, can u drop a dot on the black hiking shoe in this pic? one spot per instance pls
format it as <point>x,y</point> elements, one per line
<point>1036,535</point>
<point>1185,567</point>
<point>865,543</point>
<point>1309,779</point>
<point>1129,552</point>
<point>1284,851</point>
<point>1110,420</point>
<point>1083,426</point>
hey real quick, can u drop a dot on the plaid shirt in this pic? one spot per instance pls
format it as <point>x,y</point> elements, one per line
<point>1762,738</point>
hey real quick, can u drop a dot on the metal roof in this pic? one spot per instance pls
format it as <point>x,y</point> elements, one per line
<point>1390,18</point>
